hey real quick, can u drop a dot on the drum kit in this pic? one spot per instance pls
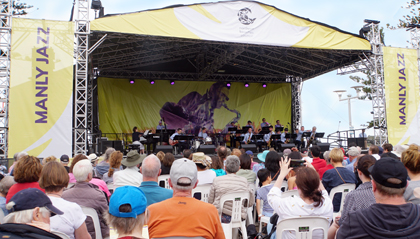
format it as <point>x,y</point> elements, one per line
<point>197,142</point>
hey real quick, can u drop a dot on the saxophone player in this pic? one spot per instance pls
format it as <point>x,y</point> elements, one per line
<point>283,136</point>
<point>267,137</point>
<point>248,136</point>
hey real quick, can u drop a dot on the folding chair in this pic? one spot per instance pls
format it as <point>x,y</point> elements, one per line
<point>303,226</point>
<point>203,191</point>
<point>236,222</point>
<point>344,189</point>
<point>90,212</point>
<point>165,181</point>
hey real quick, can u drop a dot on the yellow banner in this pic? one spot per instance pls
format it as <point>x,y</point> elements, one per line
<point>402,95</point>
<point>41,86</point>
<point>189,104</point>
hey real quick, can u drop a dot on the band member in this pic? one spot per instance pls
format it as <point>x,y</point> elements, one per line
<point>312,139</point>
<point>278,125</point>
<point>232,135</point>
<point>160,126</point>
<point>181,144</point>
<point>264,124</point>
<point>283,136</point>
<point>136,139</point>
<point>363,134</point>
<point>250,124</point>
<point>268,136</point>
<point>298,140</point>
<point>203,133</point>
<point>248,137</point>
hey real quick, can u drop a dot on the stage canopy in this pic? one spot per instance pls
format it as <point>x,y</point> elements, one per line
<point>242,41</point>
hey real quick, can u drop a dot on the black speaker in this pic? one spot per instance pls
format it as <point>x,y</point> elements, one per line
<point>324,146</point>
<point>164,148</point>
<point>118,145</point>
<point>251,147</point>
<point>358,141</point>
<point>287,146</point>
<point>207,149</point>
<point>104,145</point>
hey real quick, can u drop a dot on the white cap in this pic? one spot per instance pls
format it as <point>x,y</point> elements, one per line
<point>92,157</point>
<point>183,168</point>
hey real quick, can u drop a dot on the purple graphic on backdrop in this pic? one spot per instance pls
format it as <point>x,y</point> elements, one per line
<point>194,110</point>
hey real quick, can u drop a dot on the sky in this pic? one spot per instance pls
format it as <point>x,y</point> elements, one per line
<point>320,105</point>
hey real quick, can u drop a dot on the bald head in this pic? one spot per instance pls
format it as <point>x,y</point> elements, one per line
<point>150,168</point>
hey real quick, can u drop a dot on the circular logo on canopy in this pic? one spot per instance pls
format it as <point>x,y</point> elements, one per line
<point>243,16</point>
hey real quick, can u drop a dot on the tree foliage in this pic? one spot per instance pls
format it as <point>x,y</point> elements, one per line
<point>412,18</point>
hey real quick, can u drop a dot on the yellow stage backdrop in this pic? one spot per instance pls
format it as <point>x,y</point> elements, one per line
<point>402,95</point>
<point>41,86</point>
<point>188,104</point>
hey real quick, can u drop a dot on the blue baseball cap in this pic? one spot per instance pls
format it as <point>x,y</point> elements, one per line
<point>131,195</point>
<point>249,152</point>
<point>262,155</point>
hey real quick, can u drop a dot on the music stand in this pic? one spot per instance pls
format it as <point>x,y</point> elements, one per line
<point>306,134</point>
<point>279,129</point>
<point>290,136</point>
<point>187,138</point>
<point>275,137</point>
<point>319,135</point>
<point>245,128</point>
<point>257,137</point>
<point>265,128</point>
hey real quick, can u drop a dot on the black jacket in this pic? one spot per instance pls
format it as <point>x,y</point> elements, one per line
<point>15,231</point>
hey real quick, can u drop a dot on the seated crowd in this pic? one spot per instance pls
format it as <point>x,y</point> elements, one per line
<point>51,198</point>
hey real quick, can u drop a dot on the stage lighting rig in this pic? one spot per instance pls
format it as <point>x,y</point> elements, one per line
<point>246,85</point>
<point>172,82</point>
<point>264,85</point>
<point>152,82</point>
<point>131,81</point>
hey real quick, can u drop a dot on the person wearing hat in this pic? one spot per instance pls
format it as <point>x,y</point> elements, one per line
<point>390,216</point>
<point>183,214</point>
<point>151,169</point>
<point>261,158</point>
<point>29,218</point>
<point>130,176</point>
<point>65,162</point>
<point>203,162</point>
<point>127,212</point>
<point>353,152</point>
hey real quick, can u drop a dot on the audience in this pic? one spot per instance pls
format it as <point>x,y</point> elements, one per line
<point>103,167</point>
<point>329,166</point>
<point>114,165</point>
<point>5,183</point>
<point>229,183</point>
<point>374,151</point>
<point>18,156</point>
<point>160,156</point>
<point>245,169</point>
<point>204,174</point>
<point>29,218</point>
<point>261,165</point>
<point>236,152</point>
<point>291,176</point>
<point>390,216</point>
<point>130,176</point>
<point>187,153</point>
<point>26,174</point>
<point>72,223</point>
<point>388,152</point>
<point>360,198</point>
<point>399,149</point>
<point>251,155</point>
<point>167,161</point>
<point>313,199</point>
<point>48,159</point>
<point>150,169</point>
<point>272,164</point>
<point>317,162</point>
<point>222,153</point>
<point>64,159</point>
<point>88,195</point>
<point>217,166</point>
<point>353,152</point>
<point>265,186</point>
<point>411,160</point>
<point>337,176</point>
<point>183,215</point>
<point>127,212</point>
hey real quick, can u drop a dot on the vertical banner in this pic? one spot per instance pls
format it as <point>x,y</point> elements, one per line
<point>41,87</point>
<point>402,95</point>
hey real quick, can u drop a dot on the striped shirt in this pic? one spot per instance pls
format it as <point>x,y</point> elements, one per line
<point>355,200</point>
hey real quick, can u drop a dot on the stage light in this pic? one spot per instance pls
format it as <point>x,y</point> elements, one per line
<point>228,84</point>
<point>172,82</point>
<point>246,85</point>
<point>264,85</point>
<point>131,81</point>
<point>152,82</point>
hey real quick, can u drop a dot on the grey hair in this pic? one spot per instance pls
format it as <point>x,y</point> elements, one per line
<point>177,187</point>
<point>327,156</point>
<point>21,154</point>
<point>232,164</point>
<point>353,151</point>
<point>82,169</point>
<point>126,225</point>
<point>16,156</point>
<point>6,183</point>
<point>150,166</point>
<point>108,153</point>
<point>24,216</point>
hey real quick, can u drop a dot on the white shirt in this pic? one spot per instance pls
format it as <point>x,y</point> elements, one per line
<point>362,135</point>
<point>376,156</point>
<point>308,159</point>
<point>206,177</point>
<point>247,136</point>
<point>72,218</point>
<point>128,177</point>
<point>294,207</point>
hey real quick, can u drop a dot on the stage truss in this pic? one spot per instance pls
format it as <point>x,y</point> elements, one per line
<point>5,48</point>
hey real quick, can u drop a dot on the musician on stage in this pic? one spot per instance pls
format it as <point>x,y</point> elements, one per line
<point>268,136</point>
<point>278,125</point>
<point>181,143</point>
<point>283,136</point>
<point>160,126</point>
<point>203,133</point>
<point>298,139</point>
<point>363,134</point>
<point>312,139</point>
<point>136,139</point>
<point>232,135</point>
<point>248,137</point>
<point>250,124</point>
<point>264,124</point>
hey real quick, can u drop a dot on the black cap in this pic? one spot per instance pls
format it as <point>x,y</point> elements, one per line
<point>387,168</point>
<point>31,198</point>
<point>64,158</point>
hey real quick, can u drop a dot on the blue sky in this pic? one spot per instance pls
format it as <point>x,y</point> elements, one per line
<point>320,105</point>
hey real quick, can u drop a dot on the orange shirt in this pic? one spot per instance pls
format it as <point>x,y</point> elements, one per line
<point>186,217</point>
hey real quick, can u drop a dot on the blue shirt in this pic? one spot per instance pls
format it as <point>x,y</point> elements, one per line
<point>3,205</point>
<point>202,135</point>
<point>154,193</point>
<point>160,127</point>
<point>332,179</point>
<point>283,137</point>
<point>267,137</point>
<point>173,136</point>
<point>247,136</point>
<point>262,195</point>
<point>299,135</point>
<point>264,124</point>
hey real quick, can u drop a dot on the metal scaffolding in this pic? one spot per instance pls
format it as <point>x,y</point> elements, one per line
<point>296,103</point>
<point>5,48</point>
<point>80,126</point>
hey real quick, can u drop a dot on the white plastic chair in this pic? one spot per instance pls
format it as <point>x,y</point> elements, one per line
<point>344,189</point>
<point>290,193</point>
<point>165,179</point>
<point>1,216</point>
<point>90,212</point>
<point>60,234</point>
<point>203,190</point>
<point>236,222</point>
<point>284,185</point>
<point>263,219</point>
<point>303,226</point>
